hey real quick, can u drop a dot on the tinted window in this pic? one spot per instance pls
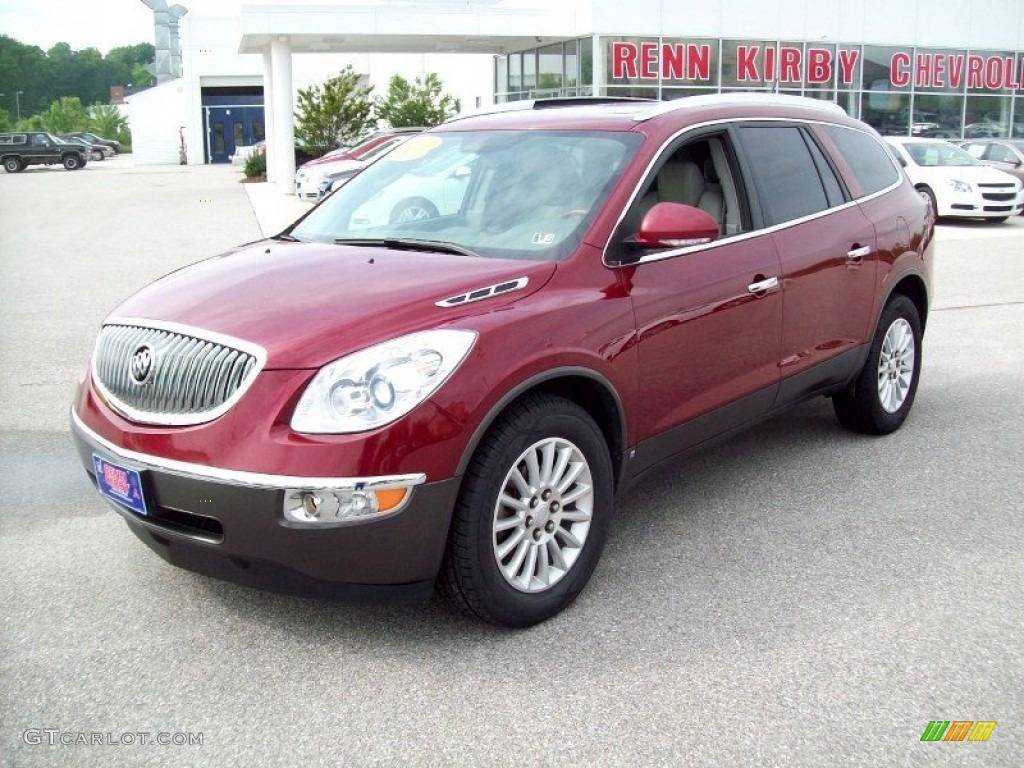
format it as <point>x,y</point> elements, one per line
<point>1000,154</point>
<point>866,158</point>
<point>784,172</point>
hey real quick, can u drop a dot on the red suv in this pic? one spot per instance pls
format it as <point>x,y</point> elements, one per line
<point>369,404</point>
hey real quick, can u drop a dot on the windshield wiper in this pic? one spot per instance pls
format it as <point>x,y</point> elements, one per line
<point>407,244</point>
<point>287,237</point>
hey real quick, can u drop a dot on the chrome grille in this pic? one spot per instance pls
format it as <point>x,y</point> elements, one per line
<point>194,376</point>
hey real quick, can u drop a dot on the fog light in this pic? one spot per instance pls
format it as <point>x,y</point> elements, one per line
<point>325,506</point>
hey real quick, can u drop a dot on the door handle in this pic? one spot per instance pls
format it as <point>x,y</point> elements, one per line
<point>858,253</point>
<point>763,285</point>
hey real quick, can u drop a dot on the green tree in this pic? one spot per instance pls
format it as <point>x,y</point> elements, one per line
<point>66,114</point>
<point>107,121</point>
<point>5,120</point>
<point>335,113</point>
<point>420,103</point>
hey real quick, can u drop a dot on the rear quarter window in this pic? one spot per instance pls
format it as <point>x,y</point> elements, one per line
<point>865,157</point>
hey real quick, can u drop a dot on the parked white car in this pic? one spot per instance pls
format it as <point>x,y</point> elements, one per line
<point>311,174</point>
<point>956,183</point>
<point>436,191</point>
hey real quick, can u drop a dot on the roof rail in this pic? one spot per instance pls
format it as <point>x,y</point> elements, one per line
<point>741,97</point>
<point>558,101</point>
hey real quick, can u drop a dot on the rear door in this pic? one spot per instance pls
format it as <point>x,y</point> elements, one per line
<point>827,248</point>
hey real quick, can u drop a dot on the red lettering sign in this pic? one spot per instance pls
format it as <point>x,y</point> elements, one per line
<point>789,65</point>
<point>956,71</point>
<point>698,62</point>
<point>847,63</point>
<point>899,70</point>
<point>624,56</point>
<point>974,67</point>
<point>819,65</point>
<point>673,57</point>
<point>746,69</point>
<point>648,61</point>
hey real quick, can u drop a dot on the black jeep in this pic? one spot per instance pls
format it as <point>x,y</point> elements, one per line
<point>21,148</point>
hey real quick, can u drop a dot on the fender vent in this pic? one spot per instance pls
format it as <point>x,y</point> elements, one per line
<point>509,286</point>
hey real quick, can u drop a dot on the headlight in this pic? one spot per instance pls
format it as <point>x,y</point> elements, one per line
<point>380,384</point>
<point>960,186</point>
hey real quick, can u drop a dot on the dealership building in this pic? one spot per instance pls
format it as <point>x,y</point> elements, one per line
<point>910,67</point>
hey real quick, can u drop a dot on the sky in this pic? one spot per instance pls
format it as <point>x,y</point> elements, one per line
<point>102,24</point>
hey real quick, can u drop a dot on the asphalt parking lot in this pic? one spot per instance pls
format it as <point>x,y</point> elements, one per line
<point>798,596</point>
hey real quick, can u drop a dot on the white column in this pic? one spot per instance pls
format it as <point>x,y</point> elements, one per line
<point>268,115</point>
<point>284,122</point>
<point>597,56</point>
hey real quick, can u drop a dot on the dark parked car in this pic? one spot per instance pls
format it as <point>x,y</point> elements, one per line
<point>20,149</point>
<point>370,403</point>
<point>1005,154</point>
<point>92,138</point>
<point>96,152</point>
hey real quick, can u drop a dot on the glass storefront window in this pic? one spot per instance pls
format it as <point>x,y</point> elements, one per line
<point>991,72</point>
<point>821,70</point>
<point>987,116</point>
<point>572,75</point>
<point>635,62</point>
<point>937,115</point>
<point>501,74</point>
<point>886,112</point>
<point>586,62</point>
<point>549,73</point>
<point>875,68</point>
<point>515,72</point>
<point>529,70</point>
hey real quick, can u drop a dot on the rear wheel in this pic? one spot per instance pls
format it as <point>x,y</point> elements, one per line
<point>532,515</point>
<point>12,164</point>
<point>72,162</point>
<point>929,197</point>
<point>880,399</point>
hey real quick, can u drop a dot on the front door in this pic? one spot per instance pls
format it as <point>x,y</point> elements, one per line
<point>228,128</point>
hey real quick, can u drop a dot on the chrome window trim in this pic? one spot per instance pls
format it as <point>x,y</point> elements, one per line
<point>671,254</point>
<point>143,461</point>
<point>738,98</point>
<point>188,419</point>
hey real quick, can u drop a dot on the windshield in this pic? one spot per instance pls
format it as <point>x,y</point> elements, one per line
<point>499,194</point>
<point>928,154</point>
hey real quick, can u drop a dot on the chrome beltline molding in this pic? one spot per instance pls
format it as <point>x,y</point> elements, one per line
<point>239,477</point>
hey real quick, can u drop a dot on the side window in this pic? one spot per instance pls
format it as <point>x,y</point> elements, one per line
<point>5,139</point>
<point>39,140</point>
<point>975,150</point>
<point>1000,154</point>
<point>698,173</point>
<point>865,157</point>
<point>20,138</point>
<point>784,172</point>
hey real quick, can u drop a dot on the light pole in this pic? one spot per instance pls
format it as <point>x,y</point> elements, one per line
<point>17,103</point>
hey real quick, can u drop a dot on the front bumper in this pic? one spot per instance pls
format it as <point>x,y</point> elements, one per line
<point>981,203</point>
<point>231,526</point>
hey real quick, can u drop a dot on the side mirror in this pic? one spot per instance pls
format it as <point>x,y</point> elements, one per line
<point>674,225</point>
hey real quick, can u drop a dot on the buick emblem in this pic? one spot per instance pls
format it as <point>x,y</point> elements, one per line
<point>141,364</point>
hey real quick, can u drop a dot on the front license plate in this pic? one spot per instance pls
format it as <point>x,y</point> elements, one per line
<point>119,484</point>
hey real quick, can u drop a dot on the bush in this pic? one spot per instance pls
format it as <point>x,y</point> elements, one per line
<point>255,165</point>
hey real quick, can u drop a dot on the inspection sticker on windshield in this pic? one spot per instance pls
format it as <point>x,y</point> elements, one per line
<point>413,149</point>
<point>543,238</point>
<point>119,484</point>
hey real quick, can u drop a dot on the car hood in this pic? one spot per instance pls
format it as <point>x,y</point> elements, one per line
<point>978,174</point>
<point>327,159</point>
<point>309,303</point>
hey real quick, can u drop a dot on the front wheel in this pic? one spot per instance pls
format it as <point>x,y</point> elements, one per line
<point>71,162</point>
<point>413,209</point>
<point>880,399</point>
<point>532,514</point>
<point>96,155</point>
<point>929,197</point>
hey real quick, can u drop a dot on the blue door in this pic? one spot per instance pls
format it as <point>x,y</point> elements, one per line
<point>230,127</point>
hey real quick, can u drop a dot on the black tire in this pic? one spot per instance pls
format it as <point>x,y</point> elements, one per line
<point>928,195</point>
<point>96,155</point>
<point>12,165</point>
<point>471,576</point>
<point>999,220</point>
<point>413,209</point>
<point>860,407</point>
<point>72,162</point>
